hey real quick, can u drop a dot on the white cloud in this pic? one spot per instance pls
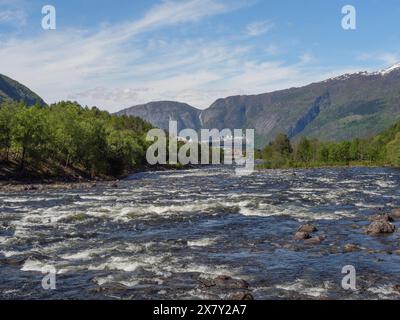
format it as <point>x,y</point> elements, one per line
<point>127,64</point>
<point>307,58</point>
<point>388,58</point>
<point>62,62</point>
<point>11,13</point>
<point>258,28</point>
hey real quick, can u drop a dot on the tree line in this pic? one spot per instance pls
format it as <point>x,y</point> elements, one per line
<point>380,150</point>
<point>98,143</point>
<point>73,136</point>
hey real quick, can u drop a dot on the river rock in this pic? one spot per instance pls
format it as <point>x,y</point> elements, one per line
<point>19,260</point>
<point>308,228</point>
<point>4,226</point>
<point>110,288</point>
<point>228,282</point>
<point>382,217</point>
<point>300,235</point>
<point>397,252</point>
<point>241,296</point>
<point>314,240</point>
<point>396,213</point>
<point>380,227</point>
<point>397,288</point>
<point>351,248</point>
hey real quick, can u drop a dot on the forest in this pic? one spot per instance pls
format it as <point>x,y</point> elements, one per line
<point>66,135</point>
<point>380,150</point>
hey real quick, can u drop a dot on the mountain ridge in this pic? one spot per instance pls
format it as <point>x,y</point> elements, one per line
<point>343,107</point>
<point>12,90</point>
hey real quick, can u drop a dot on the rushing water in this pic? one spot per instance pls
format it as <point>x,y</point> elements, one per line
<point>160,235</point>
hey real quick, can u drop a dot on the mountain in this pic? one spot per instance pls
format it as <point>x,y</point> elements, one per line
<point>13,90</point>
<point>159,113</point>
<point>345,107</point>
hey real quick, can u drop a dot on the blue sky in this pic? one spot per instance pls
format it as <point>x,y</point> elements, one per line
<point>116,54</point>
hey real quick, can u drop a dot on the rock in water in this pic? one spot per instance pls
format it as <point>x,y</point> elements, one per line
<point>230,283</point>
<point>380,227</point>
<point>382,217</point>
<point>302,235</point>
<point>396,213</point>
<point>241,296</point>
<point>314,240</point>
<point>110,288</point>
<point>351,248</point>
<point>308,228</point>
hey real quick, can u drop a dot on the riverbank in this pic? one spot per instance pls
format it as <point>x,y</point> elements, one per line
<point>55,176</point>
<point>45,173</point>
<point>311,165</point>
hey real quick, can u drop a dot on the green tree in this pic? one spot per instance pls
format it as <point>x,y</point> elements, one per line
<point>304,151</point>
<point>29,133</point>
<point>393,151</point>
<point>343,150</point>
<point>282,145</point>
<point>323,153</point>
<point>66,132</point>
<point>355,150</point>
<point>6,118</point>
<point>93,148</point>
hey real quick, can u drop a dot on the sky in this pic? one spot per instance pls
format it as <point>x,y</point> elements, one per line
<point>120,53</point>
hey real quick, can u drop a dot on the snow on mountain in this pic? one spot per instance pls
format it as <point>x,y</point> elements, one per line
<point>383,72</point>
<point>390,69</point>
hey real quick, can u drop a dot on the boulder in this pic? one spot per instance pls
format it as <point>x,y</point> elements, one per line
<point>382,217</point>
<point>5,226</point>
<point>380,227</point>
<point>300,235</point>
<point>241,296</point>
<point>351,248</point>
<point>396,213</point>
<point>110,288</point>
<point>229,283</point>
<point>397,252</point>
<point>308,228</point>
<point>397,288</point>
<point>314,240</point>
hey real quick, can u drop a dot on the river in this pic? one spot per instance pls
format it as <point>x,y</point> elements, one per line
<point>163,235</point>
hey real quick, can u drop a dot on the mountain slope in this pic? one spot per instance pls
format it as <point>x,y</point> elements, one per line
<point>345,107</point>
<point>159,113</point>
<point>13,90</point>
